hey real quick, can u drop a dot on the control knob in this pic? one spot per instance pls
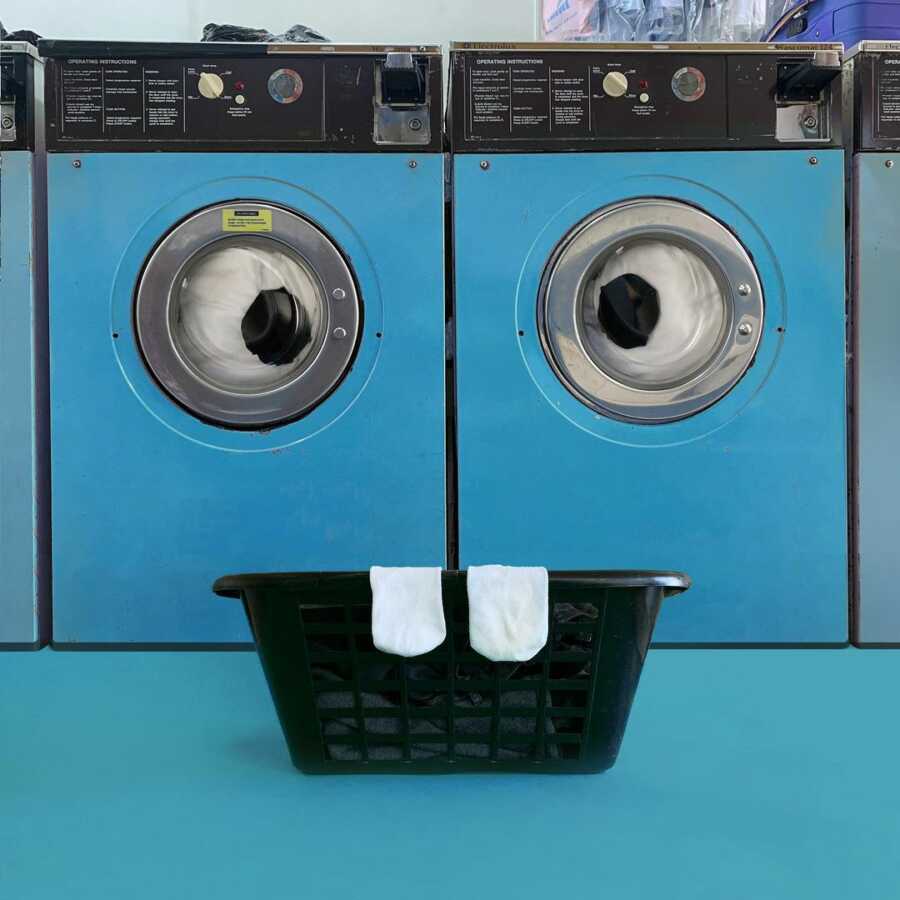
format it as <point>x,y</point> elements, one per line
<point>615,84</point>
<point>210,85</point>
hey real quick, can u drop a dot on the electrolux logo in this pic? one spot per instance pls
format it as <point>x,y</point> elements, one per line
<point>891,61</point>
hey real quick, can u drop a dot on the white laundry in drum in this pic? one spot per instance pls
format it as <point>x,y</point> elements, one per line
<point>691,313</point>
<point>214,300</point>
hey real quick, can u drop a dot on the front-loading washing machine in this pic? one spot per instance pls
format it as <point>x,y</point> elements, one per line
<point>247,324</point>
<point>24,564</point>
<point>650,324</point>
<point>873,77</point>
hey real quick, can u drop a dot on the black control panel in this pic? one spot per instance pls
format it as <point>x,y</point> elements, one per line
<point>595,97</point>
<point>17,89</point>
<point>874,72</point>
<point>235,97</point>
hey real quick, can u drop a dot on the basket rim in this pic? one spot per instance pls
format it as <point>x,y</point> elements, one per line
<point>675,582</point>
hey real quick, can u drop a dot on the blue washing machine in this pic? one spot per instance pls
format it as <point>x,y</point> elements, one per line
<point>873,73</point>
<point>650,308</point>
<point>247,325</point>
<point>24,564</point>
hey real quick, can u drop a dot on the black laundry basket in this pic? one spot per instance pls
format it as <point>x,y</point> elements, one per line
<point>347,707</point>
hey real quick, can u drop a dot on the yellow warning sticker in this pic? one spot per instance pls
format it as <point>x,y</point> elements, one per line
<point>246,220</point>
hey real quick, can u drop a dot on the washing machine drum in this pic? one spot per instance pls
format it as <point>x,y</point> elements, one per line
<point>650,311</point>
<point>247,315</point>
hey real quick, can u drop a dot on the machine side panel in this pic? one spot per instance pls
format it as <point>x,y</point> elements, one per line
<point>876,224</point>
<point>20,284</point>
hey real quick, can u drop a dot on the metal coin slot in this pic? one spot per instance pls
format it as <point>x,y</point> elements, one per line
<point>401,100</point>
<point>802,81</point>
<point>402,81</point>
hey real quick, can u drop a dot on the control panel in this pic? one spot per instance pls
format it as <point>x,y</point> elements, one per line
<point>305,101</point>
<point>595,97</point>
<point>17,85</point>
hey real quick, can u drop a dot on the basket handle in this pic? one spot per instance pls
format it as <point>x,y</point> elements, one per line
<point>225,587</point>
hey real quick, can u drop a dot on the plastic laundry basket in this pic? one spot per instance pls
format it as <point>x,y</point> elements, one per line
<point>347,707</point>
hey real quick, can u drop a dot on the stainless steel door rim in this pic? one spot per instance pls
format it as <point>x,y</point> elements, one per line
<point>713,361</point>
<point>319,311</point>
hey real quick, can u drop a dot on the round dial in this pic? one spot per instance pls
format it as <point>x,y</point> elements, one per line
<point>614,84</point>
<point>689,84</point>
<point>285,86</point>
<point>210,85</point>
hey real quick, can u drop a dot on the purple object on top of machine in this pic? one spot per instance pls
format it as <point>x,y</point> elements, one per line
<point>847,21</point>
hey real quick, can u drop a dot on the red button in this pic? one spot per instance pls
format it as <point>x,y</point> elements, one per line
<point>643,84</point>
<point>239,85</point>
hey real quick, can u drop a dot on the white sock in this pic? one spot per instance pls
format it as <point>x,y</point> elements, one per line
<point>508,611</point>
<point>407,610</point>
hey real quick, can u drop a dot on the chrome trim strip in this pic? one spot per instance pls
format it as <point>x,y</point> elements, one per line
<point>19,47</point>
<point>872,47</point>
<point>418,49</point>
<point>680,47</point>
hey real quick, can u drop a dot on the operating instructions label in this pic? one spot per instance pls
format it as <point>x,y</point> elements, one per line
<point>122,99</point>
<point>888,88</point>
<point>529,97</point>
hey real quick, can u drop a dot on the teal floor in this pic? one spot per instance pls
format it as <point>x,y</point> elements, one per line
<point>744,774</point>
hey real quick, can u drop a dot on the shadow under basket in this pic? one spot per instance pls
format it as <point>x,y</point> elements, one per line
<point>346,707</point>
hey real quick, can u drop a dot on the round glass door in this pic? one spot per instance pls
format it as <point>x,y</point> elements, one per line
<point>650,311</point>
<point>247,315</point>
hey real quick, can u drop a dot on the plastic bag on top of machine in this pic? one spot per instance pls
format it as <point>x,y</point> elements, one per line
<point>24,34</point>
<point>571,20</point>
<point>658,21</point>
<point>296,34</point>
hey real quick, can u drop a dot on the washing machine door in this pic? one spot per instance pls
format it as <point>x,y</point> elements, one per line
<point>247,315</point>
<point>650,311</point>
